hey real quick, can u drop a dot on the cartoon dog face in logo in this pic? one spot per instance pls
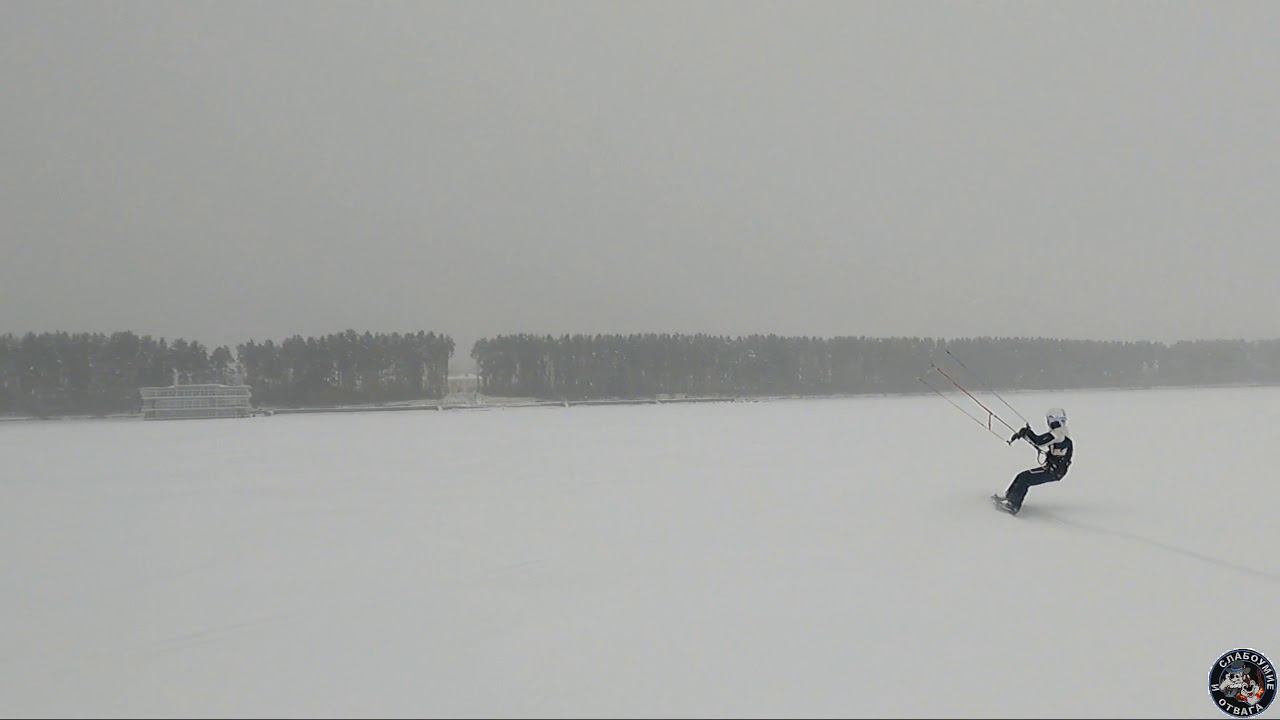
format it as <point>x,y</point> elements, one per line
<point>1238,681</point>
<point>1242,683</point>
<point>1233,677</point>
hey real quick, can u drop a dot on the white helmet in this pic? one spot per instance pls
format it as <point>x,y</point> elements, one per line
<point>1056,415</point>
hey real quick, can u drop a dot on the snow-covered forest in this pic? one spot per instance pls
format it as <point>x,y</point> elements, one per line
<point>96,373</point>
<point>592,366</point>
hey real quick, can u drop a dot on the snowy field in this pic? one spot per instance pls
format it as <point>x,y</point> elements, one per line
<point>825,557</point>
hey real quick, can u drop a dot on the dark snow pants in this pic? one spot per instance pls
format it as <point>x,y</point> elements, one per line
<point>1035,476</point>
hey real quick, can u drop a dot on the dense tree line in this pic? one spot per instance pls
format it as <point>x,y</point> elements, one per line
<point>94,373</point>
<point>348,367</point>
<point>602,366</point>
<point>54,373</point>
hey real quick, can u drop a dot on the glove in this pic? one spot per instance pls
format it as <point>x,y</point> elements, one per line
<point>1024,432</point>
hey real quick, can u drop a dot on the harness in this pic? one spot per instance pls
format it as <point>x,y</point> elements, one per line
<point>1057,456</point>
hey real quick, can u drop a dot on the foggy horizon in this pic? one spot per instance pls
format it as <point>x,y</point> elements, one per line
<point>232,172</point>
<point>711,358</point>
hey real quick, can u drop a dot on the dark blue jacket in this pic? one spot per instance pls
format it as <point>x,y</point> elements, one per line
<point>1056,446</point>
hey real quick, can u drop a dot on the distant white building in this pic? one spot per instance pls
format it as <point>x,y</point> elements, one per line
<point>463,384</point>
<point>188,402</point>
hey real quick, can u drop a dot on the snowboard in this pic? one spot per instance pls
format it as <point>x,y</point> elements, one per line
<point>998,501</point>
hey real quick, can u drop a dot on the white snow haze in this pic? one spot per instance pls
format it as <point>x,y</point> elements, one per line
<point>573,347</point>
<point>789,558</point>
<point>877,168</point>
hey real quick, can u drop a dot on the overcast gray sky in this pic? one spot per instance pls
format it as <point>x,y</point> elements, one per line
<point>225,171</point>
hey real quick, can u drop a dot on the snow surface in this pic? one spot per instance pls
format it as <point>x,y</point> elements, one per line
<point>825,557</point>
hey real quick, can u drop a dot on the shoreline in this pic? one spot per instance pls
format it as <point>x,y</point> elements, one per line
<point>506,403</point>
